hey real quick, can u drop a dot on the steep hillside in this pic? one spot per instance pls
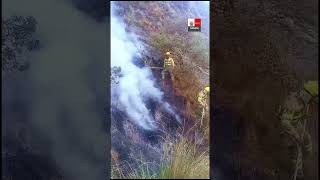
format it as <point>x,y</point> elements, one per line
<point>157,27</point>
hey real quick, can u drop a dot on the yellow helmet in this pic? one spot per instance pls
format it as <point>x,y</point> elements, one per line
<point>207,88</point>
<point>168,53</point>
<point>311,87</point>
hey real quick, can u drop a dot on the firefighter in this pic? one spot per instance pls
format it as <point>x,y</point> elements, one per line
<point>311,88</point>
<point>168,65</point>
<point>203,96</point>
<point>203,100</point>
<point>294,115</point>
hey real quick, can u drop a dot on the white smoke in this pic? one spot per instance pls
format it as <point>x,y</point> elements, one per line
<point>136,85</point>
<point>168,108</point>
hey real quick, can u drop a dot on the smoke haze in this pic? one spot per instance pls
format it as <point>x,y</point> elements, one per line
<point>136,86</point>
<point>62,88</point>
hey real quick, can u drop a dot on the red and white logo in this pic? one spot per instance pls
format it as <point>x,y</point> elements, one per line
<point>194,24</point>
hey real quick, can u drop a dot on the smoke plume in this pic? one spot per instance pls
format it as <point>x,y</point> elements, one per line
<point>136,85</point>
<point>64,88</point>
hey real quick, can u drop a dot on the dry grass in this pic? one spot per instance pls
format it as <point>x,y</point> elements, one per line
<point>115,169</point>
<point>182,160</point>
<point>188,162</point>
<point>164,33</point>
<point>191,54</point>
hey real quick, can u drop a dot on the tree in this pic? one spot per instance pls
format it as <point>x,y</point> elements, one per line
<point>17,39</point>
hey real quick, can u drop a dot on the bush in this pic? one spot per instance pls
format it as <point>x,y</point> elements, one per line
<point>183,159</point>
<point>17,39</point>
